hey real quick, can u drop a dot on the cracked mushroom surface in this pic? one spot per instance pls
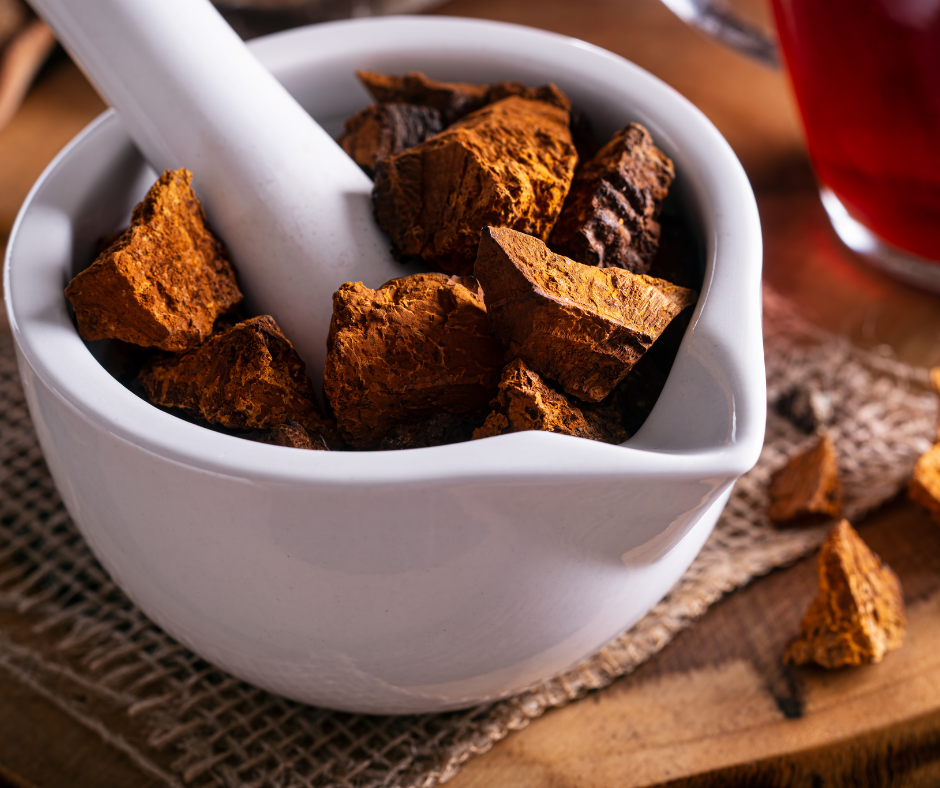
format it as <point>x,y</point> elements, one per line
<point>164,281</point>
<point>247,377</point>
<point>415,347</point>
<point>807,490</point>
<point>582,326</point>
<point>610,217</point>
<point>858,613</point>
<point>509,164</point>
<point>526,402</point>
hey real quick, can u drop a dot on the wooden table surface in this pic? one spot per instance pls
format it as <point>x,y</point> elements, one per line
<point>715,707</point>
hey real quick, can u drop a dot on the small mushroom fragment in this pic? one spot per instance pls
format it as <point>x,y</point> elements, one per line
<point>610,216</point>
<point>582,326</point>
<point>439,430</point>
<point>508,164</point>
<point>382,130</point>
<point>164,281</point>
<point>806,407</point>
<point>413,348</point>
<point>807,489</point>
<point>526,402</point>
<point>858,613</point>
<point>453,100</point>
<point>248,377</point>
<point>294,436</point>
<point>924,486</point>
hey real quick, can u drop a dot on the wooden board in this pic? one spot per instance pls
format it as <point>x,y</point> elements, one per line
<point>715,707</point>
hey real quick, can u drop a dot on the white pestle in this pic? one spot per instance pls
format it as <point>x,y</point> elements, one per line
<point>293,208</point>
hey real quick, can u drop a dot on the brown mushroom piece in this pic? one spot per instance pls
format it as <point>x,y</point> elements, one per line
<point>415,347</point>
<point>382,130</point>
<point>247,377</point>
<point>858,613</point>
<point>610,217</point>
<point>166,279</point>
<point>582,326</point>
<point>509,164</point>
<point>807,489</point>
<point>526,402</point>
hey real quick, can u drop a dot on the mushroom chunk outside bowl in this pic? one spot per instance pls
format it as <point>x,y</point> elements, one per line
<point>415,580</point>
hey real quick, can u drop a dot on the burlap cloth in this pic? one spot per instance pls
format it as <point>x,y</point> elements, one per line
<point>77,640</point>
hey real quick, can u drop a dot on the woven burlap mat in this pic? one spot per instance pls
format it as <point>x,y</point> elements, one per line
<point>77,640</point>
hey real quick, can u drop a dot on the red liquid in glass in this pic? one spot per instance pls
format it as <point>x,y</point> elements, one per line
<point>867,79</point>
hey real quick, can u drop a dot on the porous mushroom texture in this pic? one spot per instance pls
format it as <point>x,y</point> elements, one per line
<point>248,377</point>
<point>382,130</point>
<point>509,164</point>
<point>452,100</point>
<point>526,402</point>
<point>610,215</point>
<point>582,326</point>
<point>164,281</point>
<point>415,347</point>
<point>807,489</point>
<point>858,613</point>
<point>292,435</point>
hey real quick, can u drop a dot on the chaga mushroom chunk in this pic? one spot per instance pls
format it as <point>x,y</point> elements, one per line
<point>526,402</point>
<point>807,489</point>
<point>610,216</point>
<point>164,281</point>
<point>438,430</point>
<point>453,100</point>
<point>858,613</point>
<point>924,487</point>
<point>248,377</point>
<point>582,326</point>
<point>509,164</point>
<point>382,130</point>
<point>292,435</point>
<point>415,347</point>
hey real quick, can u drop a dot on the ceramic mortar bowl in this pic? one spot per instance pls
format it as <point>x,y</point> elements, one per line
<point>404,581</point>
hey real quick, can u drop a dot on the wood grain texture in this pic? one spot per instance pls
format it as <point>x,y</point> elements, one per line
<point>717,707</point>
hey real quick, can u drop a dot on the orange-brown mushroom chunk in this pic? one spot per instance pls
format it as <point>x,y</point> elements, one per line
<point>164,281</point>
<point>858,613</point>
<point>248,377</point>
<point>382,130</point>
<point>582,326</point>
<point>452,100</point>
<point>610,216</point>
<point>414,347</point>
<point>924,487</point>
<point>509,164</point>
<point>807,489</point>
<point>526,402</point>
